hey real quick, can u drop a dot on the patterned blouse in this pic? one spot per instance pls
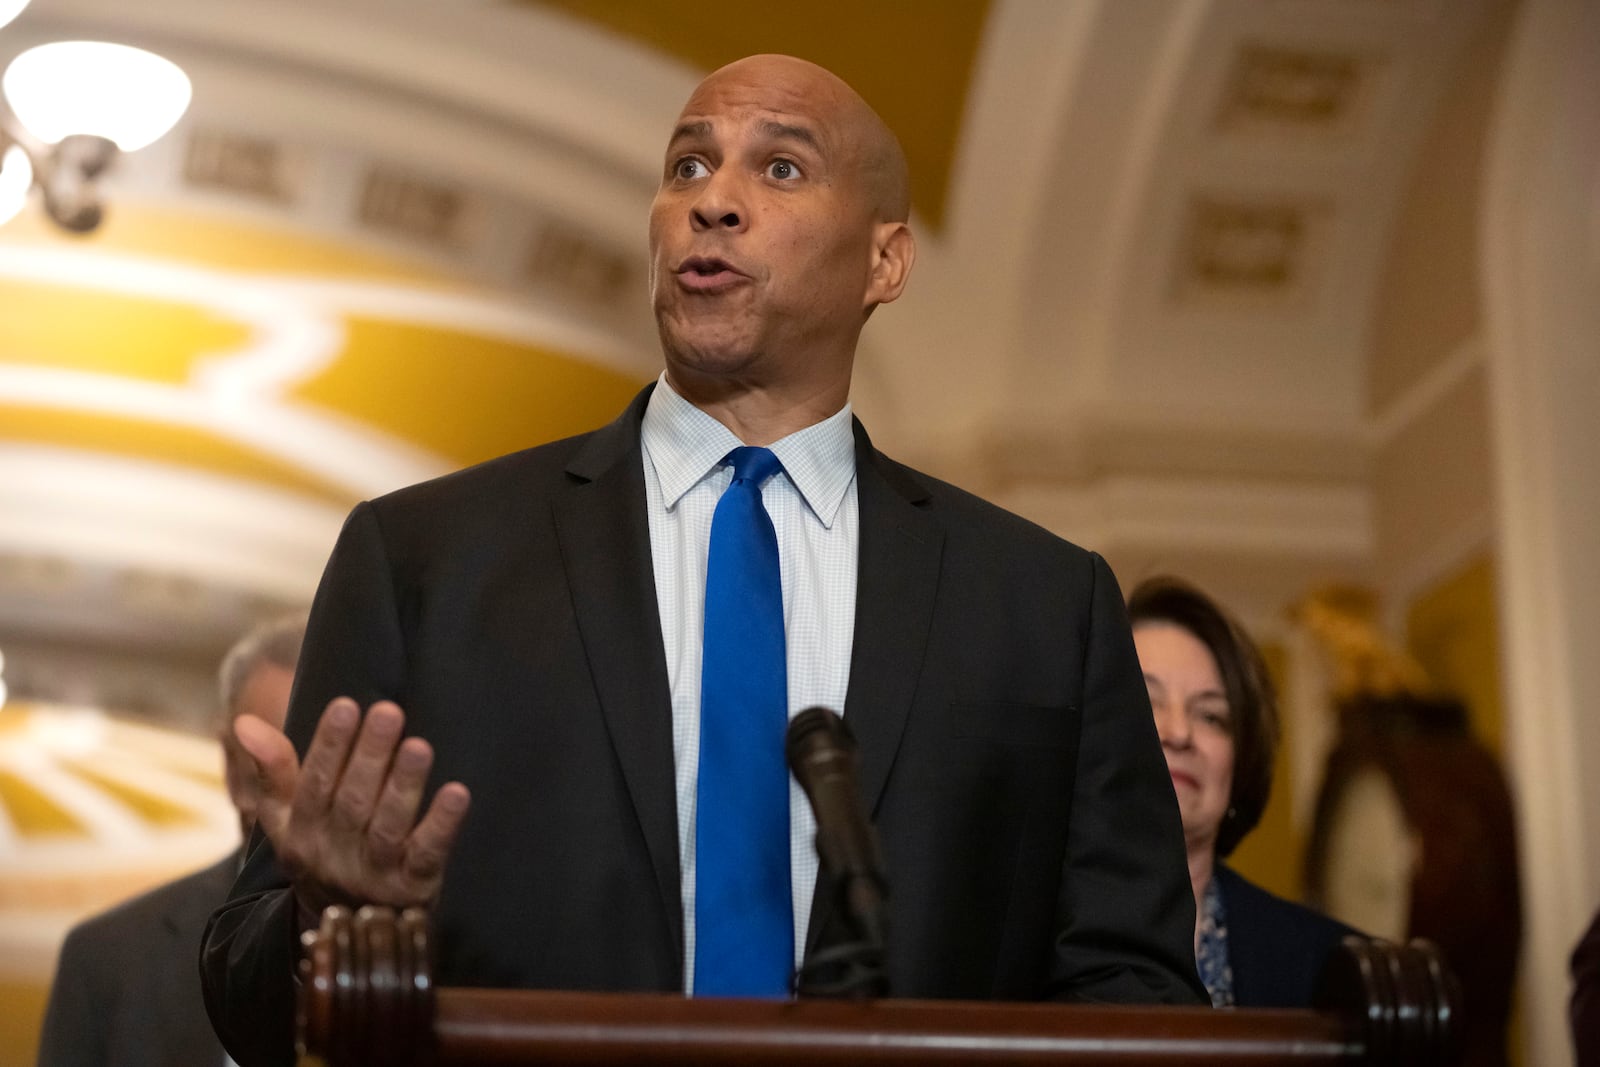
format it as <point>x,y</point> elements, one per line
<point>1211,956</point>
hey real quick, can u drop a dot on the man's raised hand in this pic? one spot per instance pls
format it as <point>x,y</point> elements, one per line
<point>344,824</point>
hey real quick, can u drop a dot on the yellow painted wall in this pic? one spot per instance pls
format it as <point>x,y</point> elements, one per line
<point>21,1012</point>
<point>1452,629</point>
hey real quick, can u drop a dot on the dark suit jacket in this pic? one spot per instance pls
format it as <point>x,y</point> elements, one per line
<point>1584,1007</point>
<point>1276,947</point>
<point>127,991</point>
<point>1005,737</point>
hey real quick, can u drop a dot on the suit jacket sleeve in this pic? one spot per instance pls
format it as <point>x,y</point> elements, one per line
<point>1126,908</point>
<point>353,648</point>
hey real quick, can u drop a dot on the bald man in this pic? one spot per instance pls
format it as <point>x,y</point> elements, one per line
<point>498,711</point>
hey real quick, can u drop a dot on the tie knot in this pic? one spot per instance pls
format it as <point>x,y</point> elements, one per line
<point>754,465</point>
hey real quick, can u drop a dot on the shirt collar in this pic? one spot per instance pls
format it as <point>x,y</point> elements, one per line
<point>685,445</point>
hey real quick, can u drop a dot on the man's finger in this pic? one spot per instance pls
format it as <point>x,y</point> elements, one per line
<point>365,773</point>
<point>277,769</point>
<point>429,845</point>
<point>324,762</point>
<point>396,811</point>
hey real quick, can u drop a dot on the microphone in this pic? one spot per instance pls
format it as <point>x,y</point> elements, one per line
<point>822,755</point>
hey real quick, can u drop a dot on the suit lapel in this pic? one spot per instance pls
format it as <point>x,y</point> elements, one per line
<point>897,585</point>
<point>605,547</point>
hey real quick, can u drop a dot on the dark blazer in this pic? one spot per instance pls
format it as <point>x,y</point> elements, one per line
<point>1276,947</point>
<point>1583,1009</point>
<point>127,991</point>
<point>1005,737</point>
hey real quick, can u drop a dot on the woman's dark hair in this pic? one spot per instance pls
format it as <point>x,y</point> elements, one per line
<point>1252,700</point>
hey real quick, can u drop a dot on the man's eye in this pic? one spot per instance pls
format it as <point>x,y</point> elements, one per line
<point>689,169</point>
<point>783,170</point>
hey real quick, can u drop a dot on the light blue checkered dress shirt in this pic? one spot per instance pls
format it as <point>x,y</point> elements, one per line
<point>814,512</point>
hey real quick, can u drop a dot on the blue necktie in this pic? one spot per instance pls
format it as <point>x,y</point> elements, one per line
<point>744,916</point>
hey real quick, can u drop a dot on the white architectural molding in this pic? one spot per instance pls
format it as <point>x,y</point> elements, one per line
<point>212,530</point>
<point>1189,514</point>
<point>1541,271</point>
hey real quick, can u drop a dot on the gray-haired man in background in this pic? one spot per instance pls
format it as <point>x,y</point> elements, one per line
<point>126,989</point>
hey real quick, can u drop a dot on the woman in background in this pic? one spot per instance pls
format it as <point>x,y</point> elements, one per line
<point>1218,720</point>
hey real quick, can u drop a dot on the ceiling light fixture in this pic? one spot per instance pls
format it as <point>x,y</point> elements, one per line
<point>74,107</point>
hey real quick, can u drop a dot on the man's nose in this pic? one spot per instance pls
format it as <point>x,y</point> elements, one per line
<point>719,204</point>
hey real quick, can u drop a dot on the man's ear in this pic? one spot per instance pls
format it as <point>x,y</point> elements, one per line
<point>894,250</point>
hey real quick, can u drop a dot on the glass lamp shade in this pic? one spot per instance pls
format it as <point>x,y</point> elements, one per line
<point>10,9</point>
<point>126,95</point>
<point>16,178</point>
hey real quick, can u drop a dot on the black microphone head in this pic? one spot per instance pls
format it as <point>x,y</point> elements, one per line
<point>814,728</point>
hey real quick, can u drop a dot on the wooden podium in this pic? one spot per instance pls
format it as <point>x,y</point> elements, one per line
<point>367,999</point>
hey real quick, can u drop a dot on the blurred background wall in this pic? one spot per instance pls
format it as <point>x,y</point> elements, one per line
<point>1279,295</point>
